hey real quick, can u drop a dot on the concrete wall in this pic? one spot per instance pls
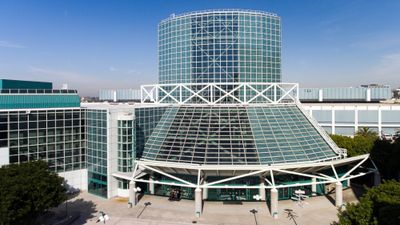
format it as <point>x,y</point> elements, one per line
<point>4,156</point>
<point>77,179</point>
<point>347,118</point>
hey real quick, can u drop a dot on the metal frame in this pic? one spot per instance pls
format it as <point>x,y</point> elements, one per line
<point>310,170</point>
<point>219,11</point>
<point>280,93</point>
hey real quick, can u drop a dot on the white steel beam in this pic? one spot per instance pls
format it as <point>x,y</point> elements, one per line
<point>334,171</point>
<point>164,183</point>
<point>303,174</point>
<point>236,177</point>
<point>355,167</point>
<point>269,182</point>
<point>168,175</point>
<point>271,172</point>
<point>152,92</point>
<point>168,93</point>
<point>261,93</point>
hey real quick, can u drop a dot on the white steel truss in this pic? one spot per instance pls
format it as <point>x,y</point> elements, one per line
<point>221,93</point>
<point>309,170</point>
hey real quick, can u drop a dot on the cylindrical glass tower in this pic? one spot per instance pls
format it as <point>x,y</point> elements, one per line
<point>219,46</point>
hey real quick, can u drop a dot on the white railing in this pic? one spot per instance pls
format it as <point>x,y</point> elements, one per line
<point>221,93</point>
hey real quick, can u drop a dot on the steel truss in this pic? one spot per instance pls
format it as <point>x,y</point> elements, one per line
<point>221,93</point>
<point>266,173</point>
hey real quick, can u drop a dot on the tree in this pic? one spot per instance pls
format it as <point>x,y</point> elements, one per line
<point>366,132</point>
<point>27,190</point>
<point>359,145</point>
<point>380,205</point>
<point>343,142</point>
<point>386,156</point>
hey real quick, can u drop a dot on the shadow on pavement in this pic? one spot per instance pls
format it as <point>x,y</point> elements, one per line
<point>331,199</point>
<point>74,212</point>
<point>358,190</point>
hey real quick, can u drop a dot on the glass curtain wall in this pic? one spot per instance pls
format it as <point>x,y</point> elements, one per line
<point>96,121</point>
<point>55,136</point>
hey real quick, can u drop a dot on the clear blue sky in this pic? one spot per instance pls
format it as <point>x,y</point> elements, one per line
<point>113,44</point>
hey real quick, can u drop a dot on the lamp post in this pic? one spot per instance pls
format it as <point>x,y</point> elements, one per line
<point>145,205</point>
<point>254,211</point>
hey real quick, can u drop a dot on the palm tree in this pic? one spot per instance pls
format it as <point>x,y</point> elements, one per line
<point>366,132</point>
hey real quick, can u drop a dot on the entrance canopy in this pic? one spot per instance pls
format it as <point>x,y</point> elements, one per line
<point>317,172</point>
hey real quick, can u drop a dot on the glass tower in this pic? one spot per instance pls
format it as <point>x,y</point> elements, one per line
<point>220,46</point>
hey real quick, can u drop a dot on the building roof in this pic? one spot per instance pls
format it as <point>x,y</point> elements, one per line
<point>173,16</point>
<point>237,135</point>
<point>23,84</point>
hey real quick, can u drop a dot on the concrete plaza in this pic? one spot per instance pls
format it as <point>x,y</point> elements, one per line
<point>316,210</point>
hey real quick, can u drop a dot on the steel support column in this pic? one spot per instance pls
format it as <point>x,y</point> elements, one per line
<point>377,178</point>
<point>198,198</point>
<point>262,192</point>
<point>339,194</point>
<point>151,185</point>
<point>205,191</point>
<point>313,186</point>
<point>133,197</point>
<point>274,203</point>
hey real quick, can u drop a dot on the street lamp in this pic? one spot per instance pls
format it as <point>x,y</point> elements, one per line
<point>254,211</point>
<point>145,205</point>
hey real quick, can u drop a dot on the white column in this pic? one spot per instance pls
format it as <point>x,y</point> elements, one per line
<point>333,120</point>
<point>205,191</point>
<point>151,185</point>
<point>348,183</point>
<point>274,203</point>
<point>114,95</point>
<point>355,119</point>
<point>314,186</point>
<point>379,120</point>
<point>368,99</point>
<point>377,178</point>
<point>133,198</point>
<point>262,192</point>
<point>198,201</point>
<point>320,95</point>
<point>339,194</point>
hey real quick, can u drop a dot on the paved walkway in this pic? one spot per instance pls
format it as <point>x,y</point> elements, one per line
<point>317,210</point>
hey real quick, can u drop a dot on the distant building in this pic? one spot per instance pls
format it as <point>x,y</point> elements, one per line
<point>348,118</point>
<point>119,95</point>
<point>346,94</point>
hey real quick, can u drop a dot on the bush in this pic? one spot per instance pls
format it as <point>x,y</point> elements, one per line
<point>380,205</point>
